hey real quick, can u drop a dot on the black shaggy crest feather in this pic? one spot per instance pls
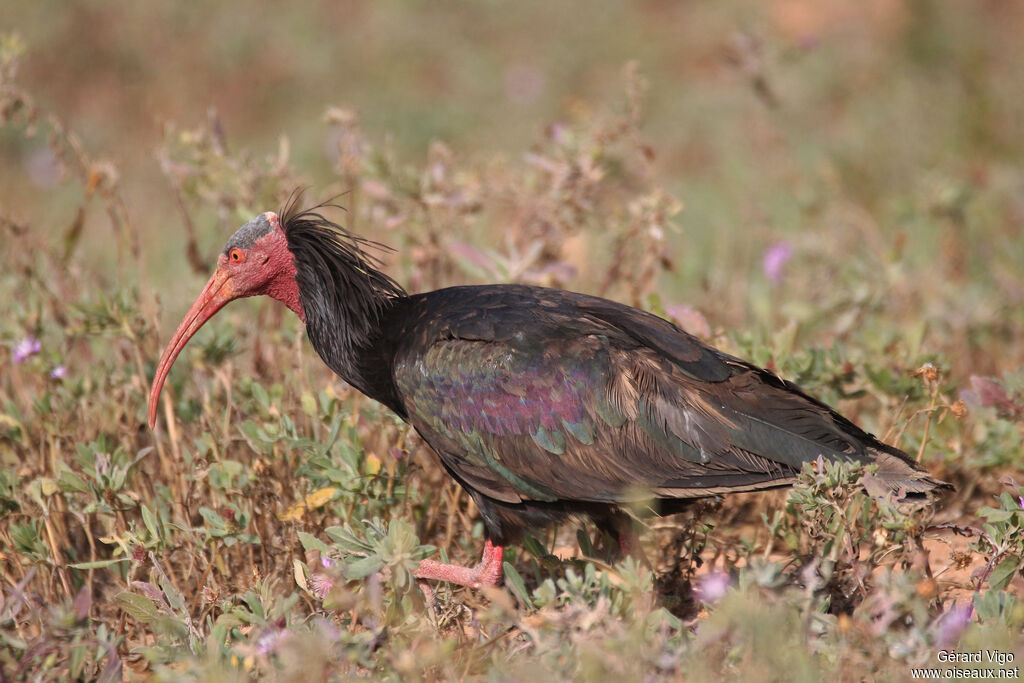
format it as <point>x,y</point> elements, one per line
<point>342,291</point>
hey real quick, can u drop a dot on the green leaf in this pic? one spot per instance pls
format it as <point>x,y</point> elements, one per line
<point>364,567</point>
<point>98,564</point>
<point>515,583</point>
<point>995,514</point>
<point>251,431</point>
<point>347,539</point>
<point>1008,501</point>
<point>261,396</point>
<point>212,518</point>
<point>311,542</point>
<point>332,435</point>
<point>77,660</point>
<point>13,641</point>
<point>1004,571</point>
<point>138,606</point>
<point>227,621</point>
<point>69,481</point>
<point>150,521</point>
<point>994,604</point>
<point>533,546</point>
<point>174,597</point>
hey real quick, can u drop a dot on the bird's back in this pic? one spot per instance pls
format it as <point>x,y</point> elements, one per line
<point>541,397</point>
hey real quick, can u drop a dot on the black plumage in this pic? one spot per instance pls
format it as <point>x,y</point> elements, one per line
<point>542,402</point>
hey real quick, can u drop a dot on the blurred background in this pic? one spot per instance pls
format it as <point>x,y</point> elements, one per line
<point>773,176</point>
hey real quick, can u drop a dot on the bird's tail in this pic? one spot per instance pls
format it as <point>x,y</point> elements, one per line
<point>899,473</point>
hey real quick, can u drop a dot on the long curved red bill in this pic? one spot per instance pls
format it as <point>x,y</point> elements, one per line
<point>218,291</point>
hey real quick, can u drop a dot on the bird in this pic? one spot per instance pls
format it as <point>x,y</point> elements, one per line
<point>541,403</point>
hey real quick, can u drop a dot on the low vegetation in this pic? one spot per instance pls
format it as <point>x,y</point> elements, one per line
<point>268,526</point>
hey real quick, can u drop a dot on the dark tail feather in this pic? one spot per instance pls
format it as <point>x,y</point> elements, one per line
<point>899,473</point>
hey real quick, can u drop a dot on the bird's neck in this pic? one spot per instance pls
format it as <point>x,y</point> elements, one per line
<point>345,336</point>
<point>343,315</point>
<point>343,298</point>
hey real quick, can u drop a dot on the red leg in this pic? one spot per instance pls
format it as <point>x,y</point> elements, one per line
<point>624,530</point>
<point>487,573</point>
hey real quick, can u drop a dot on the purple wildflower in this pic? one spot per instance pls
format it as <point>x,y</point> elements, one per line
<point>774,261</point>
<point>268,642</point>
<point>558,132</point>
<point>712,587</point>
<point>953,623</point>
<point>1021,499</point>
<point>29,346</point>
<point>321,584</point>
<point>59,372</point>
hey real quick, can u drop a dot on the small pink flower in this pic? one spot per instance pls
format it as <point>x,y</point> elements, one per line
<point>774,261</point>
<point>320,584</point>
<point>689,319</point>
<point>712,587</point>
<point>268,642</point>
<point>59,372</point>
<point>558,132</point>
<point>952,624</point>
<point>29,346</point>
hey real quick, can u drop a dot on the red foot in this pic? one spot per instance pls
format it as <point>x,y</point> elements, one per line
<point>487,573</point>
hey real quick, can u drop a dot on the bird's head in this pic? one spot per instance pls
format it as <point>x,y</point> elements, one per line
<point>256,260</point>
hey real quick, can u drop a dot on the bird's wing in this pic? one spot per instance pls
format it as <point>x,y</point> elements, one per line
<point>624,407</point>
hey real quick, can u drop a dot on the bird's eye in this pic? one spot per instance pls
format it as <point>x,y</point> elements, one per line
<point>235,255</point>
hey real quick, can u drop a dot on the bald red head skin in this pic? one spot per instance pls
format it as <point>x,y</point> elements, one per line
<point>255,261</point>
